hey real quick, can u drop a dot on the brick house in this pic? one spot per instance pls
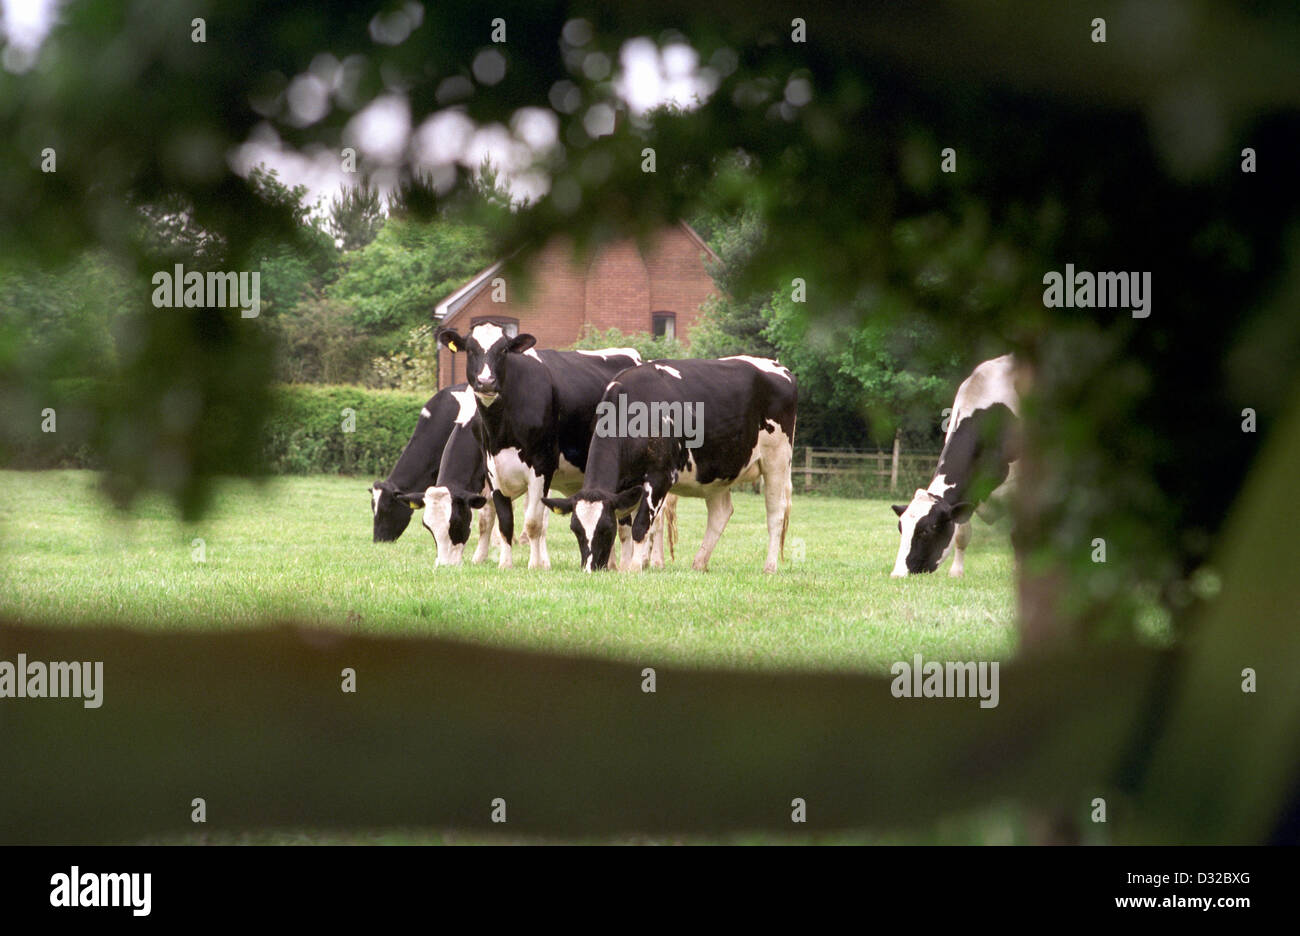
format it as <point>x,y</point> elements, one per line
<point>656,291</point>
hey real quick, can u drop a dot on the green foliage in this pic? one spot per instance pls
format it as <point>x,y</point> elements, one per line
<point>413,366</point>
<point>865,369</point>
<point>305,429</point>
<point>318,341</point>
<point>356,215</point>
<point>394,282</point>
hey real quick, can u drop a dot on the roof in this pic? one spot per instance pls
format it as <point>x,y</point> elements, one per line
<point>463,296</point>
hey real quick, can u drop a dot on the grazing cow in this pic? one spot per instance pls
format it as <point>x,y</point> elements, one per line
<point>460,488</point>
<point>417,467</point>
<point>704,427</point>
<point>978,456</point>
<point>538,409</point>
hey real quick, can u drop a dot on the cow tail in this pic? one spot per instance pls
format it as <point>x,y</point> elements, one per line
<point>785,521</point>
<point>670,524</point>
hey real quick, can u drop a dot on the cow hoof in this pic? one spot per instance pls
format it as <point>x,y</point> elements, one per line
<point>699,566</point>
<point>956,573</point>
<point>769,568</point>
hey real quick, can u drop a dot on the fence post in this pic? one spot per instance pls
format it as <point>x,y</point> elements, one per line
<point>893,466</point>
<point>807,467</point>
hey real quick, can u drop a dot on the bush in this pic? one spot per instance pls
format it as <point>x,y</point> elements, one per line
<point>305,433</point>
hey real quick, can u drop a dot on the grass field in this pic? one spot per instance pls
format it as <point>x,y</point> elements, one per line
<point>300,549</point>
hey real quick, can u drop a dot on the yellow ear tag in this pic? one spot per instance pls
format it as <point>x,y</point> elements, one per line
<point>556,510</point>
<point>451,346</point>
<point>412,506</point>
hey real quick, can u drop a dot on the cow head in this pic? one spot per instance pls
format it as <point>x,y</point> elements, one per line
<point>448,515</point>
<point>487,356</point>
<point>927,526</point>
<point>391,515</point>
<point>595,521</point>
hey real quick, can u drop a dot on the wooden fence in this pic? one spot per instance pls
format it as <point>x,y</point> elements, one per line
<point>817,466</point>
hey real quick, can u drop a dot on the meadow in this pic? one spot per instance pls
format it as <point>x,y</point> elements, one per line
<point>299,549</point>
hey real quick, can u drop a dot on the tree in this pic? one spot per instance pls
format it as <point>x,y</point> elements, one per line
<point>355,215</point>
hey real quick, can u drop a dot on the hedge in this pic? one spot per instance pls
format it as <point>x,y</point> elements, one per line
<point>308,431</point>
<point>317,429</point>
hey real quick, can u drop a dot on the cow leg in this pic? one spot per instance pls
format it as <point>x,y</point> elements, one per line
<point>647,520</point>
<point>960,540</point>
<point>506,524</point>
<point>719,506</point>
<point>657,541</point>
<point>535,523</point>
<point>777,495</point>
<point>621,554</point>
<point>487,522</point>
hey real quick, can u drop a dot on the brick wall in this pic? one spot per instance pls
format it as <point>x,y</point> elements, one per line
<point>618,287</point>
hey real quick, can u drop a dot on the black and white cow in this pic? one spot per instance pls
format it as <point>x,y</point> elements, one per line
<point>417,467</point>
<point>743,411</point>
<point>461,487</point>
<point>538,409</point>
<point>978,457</point>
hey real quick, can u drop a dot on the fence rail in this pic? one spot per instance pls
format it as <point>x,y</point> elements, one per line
<point>878,469</point>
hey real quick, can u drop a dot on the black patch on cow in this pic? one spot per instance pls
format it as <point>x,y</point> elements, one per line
<point>978,455</point>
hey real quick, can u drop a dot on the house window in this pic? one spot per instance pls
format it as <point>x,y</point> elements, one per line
<point>508,325</point>
<point>665,325</point>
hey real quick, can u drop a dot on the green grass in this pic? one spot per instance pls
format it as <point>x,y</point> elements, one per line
<point>300,549</point>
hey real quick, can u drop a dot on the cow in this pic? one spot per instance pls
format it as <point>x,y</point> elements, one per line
<point>417,467</point>
<point>461,487</point>
<point>538,410</point>
<point>978,458</point>
<point>743,413</point>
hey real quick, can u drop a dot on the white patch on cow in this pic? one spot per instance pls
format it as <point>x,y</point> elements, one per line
<point>922,503</point>
<point>940,485</point>
<point>465,402</point>
<point>766,365</point>
<point>532,353</point>
<point>588,514</point>
<point>567,478</point>
<point>671,371</point>
<point>437,520</point>
<point>487,334</point>
<point>375,494</point>
<point>607,353</point>
<point>485,373</point>
<point>424,412</point>
<point>508,473</point>
<point>989,383</point>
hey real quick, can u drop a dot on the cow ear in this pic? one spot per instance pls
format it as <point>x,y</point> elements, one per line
<point>561,505</point>
<point>899,509</point>
<point>521,343</point>
<point>476,501</point>
<point>961,512</point>
<point>627,499</point>
<point>451,340</point>
<point>414,500</point>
